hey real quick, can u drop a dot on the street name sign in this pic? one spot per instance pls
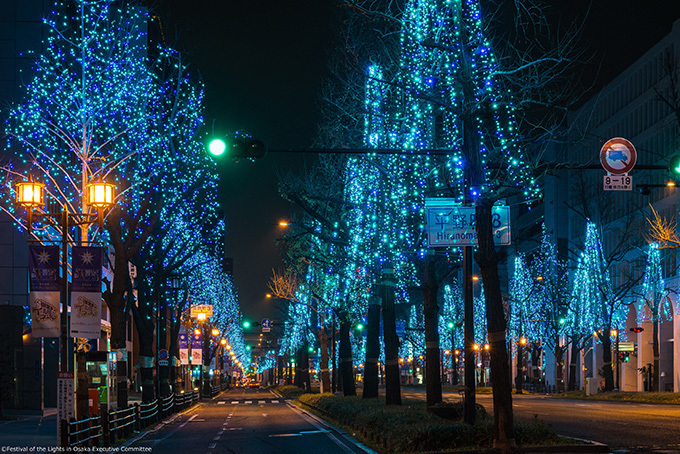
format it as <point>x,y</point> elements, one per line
<point>450,224</point>
<point>206,309</point>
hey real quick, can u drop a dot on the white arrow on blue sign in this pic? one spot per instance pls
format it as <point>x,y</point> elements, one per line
<point>266,325</point>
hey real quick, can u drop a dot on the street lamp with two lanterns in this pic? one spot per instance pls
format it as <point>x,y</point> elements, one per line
<point>99,196</point>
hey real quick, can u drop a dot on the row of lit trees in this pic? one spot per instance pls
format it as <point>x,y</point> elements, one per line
<point>428,79</point>
<point>107,103</point>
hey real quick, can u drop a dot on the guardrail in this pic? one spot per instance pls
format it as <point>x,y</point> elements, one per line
<point>107,429</point>
<point>545,389</point>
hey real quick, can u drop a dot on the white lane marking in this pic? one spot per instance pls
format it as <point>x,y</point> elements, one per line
<point>248,402</point>
<point>234,402</point>
<point>314,423</point>
<point>275,402</point>
<point>262,402</point>
<point>172,432</point>
<point>221,402</point>
<point>216,438</point>
<point>212,445</point>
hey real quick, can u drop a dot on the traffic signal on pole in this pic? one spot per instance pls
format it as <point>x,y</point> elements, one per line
<point>236,146</point>
<point>674,165</point>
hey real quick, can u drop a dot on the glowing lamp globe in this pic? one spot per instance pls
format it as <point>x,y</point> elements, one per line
<point>216,147</point>
<point>29,193</point>
<point>100,194</point>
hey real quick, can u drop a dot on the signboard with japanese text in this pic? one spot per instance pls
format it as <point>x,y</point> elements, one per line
<point>65,400</point>
<point>449,224</point>
<point>206,309</point>
<point>618,183</point>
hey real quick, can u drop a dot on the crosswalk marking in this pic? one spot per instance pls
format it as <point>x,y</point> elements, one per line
<point>250,402</point>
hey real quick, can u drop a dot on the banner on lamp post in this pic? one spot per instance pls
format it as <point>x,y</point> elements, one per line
<point>43,265</point>
<point>183,347</point>
<point>86,292</point>
<point>197,349</point>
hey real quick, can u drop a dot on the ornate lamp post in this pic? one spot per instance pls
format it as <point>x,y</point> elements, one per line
<point>100,196</point>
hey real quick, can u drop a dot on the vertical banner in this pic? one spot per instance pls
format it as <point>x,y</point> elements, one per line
<point>197,349</point>
<point>183,347</point>
<point>86,292</point>
<point>43,266</point>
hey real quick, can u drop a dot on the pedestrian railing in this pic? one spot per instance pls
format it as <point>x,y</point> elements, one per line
<point>544,389</point>
<point>86,432</point>
<point>113,425</point>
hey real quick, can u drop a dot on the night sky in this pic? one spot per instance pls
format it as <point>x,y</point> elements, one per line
<point>263,61</point>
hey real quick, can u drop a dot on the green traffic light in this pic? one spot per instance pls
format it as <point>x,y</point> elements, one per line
<point>311,349</point>
<point>217,147</point>
<point>246,324</point>
<point>674,164</point>
<point>360,326</point>
<point>248,347</point>
<point>450,325</point>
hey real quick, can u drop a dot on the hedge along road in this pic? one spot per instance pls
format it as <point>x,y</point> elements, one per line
<point>627,426</point>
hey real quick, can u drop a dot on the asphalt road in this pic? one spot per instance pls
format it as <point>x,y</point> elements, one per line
<point>623,426</point>
<point>249,422</point>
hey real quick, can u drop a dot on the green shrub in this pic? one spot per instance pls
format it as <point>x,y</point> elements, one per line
<point>290,391</point>
<point>413,428</point>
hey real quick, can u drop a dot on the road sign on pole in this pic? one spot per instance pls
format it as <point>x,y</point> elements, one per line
<point>618,156</point>
<point>618,183</point>
<point>450,224</point>
<point>266,325</point>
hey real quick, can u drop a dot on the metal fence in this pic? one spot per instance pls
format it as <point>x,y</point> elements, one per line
<point>107,429</point>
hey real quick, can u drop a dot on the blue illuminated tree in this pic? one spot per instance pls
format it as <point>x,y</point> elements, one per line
<point>654,305</point>
<point>102,103</point>
<point>523,313</point>
<point>553,299</point>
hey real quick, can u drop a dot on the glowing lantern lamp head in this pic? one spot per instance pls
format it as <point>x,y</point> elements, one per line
<point>100,194</point>
<point>29,193</point>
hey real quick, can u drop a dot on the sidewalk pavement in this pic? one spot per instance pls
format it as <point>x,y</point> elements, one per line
<point>27,430</point>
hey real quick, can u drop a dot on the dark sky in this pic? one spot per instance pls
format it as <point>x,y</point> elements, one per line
<point>262,62</point>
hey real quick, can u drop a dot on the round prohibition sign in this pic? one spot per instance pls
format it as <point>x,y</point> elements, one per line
<point>618,156</point>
